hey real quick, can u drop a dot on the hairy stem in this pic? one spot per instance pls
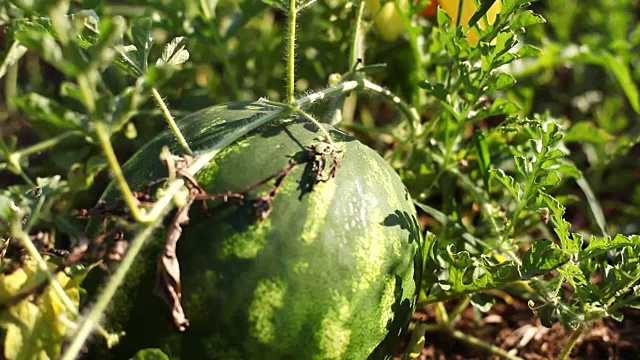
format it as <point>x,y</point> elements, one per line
<point>474,341</point>
<point>128,197</point>
<point>87,93</point>
<point>413,119</point>
<point>172,124</point>
<point>44,145</point>
<point>93,318</point>
<point>291,51</point>
<point>566,350</point>
<point>317,123</point>
<point>10,86</point>
<point>462,305</point>
<point>471,340</point>
<point>357,38</point>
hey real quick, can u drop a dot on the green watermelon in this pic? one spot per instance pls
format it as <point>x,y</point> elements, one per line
<point>330,273</point>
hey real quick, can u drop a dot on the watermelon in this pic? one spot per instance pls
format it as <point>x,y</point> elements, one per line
<point>330,271</point>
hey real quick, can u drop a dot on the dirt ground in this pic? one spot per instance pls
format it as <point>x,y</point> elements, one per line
<point>511,326</point>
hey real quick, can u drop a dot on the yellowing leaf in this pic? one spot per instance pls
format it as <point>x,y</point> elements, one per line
<point>35,326</point>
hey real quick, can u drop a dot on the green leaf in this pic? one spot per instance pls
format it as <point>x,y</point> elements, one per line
<point>527,50</point>
<point>126,103</point>
<point>604,245</point>
<point>460,273</point>
<point>484,159</point>
<point>280,4</point>
<point>38,36</point>
<point>174,53</point>
<point>503,81</point>
<point>6,214</point>
<point>509,182</point>
<point>523,165</point>
<point>482,301</point>
<point>621,71</point>
<point>438,90</point>
<point>499,107</point>
<point>509,6</point>
<point>72,91</point>
<point>443,18</point>
<point>504,42</point>
<point>569,317</point>
<point>586,131</point>
<point>526,18</point>
<point>110,36</point>
<point>143,41</point>
<point>594,204</point>
<point>371,69</point>
<point>561,225</point>
<point>53,116</point>
<point>547,289</point>
<point>548,179</point>
<point>485,5</point>
<point>453,226</point>
<point>542,257</point>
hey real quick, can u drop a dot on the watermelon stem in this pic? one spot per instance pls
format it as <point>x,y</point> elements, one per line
<point>458,335</point>
<point>92,319</point>
<point>291,52</point>
<point>474,341</point>
<point>125,190</point>
<point>172,123</point>
<point>317,123</point>
<point>411,114</point>
<point>357,39</point>
<point>573,339</point>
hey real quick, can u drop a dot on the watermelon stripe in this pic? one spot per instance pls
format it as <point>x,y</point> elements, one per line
<point>330,274</point>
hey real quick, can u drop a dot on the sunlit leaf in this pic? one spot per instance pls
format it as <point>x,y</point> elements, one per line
<point>174,53</point>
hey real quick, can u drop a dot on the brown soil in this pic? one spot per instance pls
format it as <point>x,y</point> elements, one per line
<point>510,325</point>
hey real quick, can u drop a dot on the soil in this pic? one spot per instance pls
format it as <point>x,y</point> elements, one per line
<point>510,325</point>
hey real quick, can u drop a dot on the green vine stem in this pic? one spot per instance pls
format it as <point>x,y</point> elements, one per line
<point>416,342</point>
<point>317,123</point>
<point>172,123</point>
<point>462,305</point>
<point>442,314</point>
<point>93,318</point>
<point>44,145</point>
<point>87,93</point>
<point>291,51</point>
<point>474,341</point>
<point>571,343</point>
<point>470,340</point>
<point>14,158</point>
<point>127,195</point>
<point>413,119</point>
<point>357,38</point>
<point>10,85</point>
